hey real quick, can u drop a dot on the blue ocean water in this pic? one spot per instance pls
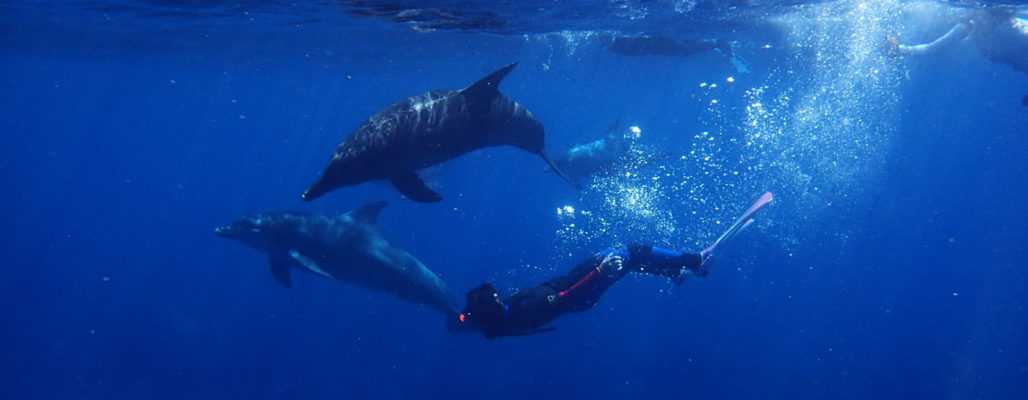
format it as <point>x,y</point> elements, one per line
<point>889,266</point>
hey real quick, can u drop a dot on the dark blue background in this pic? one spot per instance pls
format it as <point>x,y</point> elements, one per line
<point>118,160</point>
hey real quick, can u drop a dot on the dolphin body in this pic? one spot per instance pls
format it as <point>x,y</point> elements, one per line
<point>429,129</point>
<point>587,159</point>
<point>584,160</point>
<point>346,247</point>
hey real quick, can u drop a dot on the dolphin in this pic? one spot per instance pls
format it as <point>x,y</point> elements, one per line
<point>429,129</point>
<point>584,160</point>
<point>587,159</point>
<point>345,247</point>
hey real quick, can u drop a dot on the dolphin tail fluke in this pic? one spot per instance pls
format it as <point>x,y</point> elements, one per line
<point>743,222</point>
<point>489,86</point>
<point>414,188</point>
<point>447,307</point>
<point>557,171</point>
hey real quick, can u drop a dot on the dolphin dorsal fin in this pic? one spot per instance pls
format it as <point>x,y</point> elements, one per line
<point>368,213</point>
<point>489,86</point>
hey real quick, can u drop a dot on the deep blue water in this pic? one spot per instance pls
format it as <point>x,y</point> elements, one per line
<point>891,264</point>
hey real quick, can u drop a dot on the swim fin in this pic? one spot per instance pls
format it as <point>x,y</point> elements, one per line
<point>743,222</point>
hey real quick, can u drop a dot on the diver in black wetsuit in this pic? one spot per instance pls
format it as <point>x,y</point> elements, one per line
<point>530,310</point>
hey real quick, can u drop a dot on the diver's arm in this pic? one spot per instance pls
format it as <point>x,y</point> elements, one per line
<point>956,33</point>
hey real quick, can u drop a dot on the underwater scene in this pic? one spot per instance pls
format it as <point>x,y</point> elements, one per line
<point>609,199</point>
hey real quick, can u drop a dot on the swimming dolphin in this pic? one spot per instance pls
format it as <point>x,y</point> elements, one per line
<point>587,159</point>
<point>429,129</point>
<point>346,247</point>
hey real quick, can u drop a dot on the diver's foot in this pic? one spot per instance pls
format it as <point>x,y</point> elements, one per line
<point>703,268</point>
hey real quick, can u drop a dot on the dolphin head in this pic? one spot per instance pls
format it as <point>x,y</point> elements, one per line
<point>253,231</point>
<point>345,169</point>
<point>527,133</point>
<point>515,126</point>
<point>328,181</point>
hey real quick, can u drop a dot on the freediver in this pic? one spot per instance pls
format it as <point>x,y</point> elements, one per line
<point>530,310</point>
<point>1000,34</point>
<point>585,160</point>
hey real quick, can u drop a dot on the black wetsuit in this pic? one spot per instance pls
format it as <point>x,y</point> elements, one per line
<point>530,310</point>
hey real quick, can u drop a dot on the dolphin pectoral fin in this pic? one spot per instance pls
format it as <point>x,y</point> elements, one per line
<point>557,171</point>
<point>280,270</point>
<point>489,86</point>
<point>414,188</point>
<point>306,262</point>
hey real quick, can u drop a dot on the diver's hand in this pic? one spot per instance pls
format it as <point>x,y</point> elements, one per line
<point>611,263</point>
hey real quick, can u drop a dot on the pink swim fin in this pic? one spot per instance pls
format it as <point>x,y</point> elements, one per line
<point>744,221</point>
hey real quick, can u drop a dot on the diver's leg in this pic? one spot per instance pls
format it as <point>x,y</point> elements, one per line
<point>956,33</point>
<point>587,282</point>
<point>664,262</point>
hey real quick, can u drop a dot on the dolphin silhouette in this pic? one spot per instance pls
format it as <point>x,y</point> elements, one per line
<point>429,129</point>
<point>345,247</point>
